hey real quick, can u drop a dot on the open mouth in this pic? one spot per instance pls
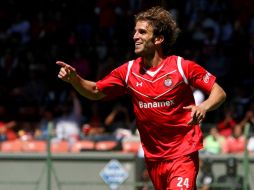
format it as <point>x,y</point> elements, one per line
<point>137,43</point>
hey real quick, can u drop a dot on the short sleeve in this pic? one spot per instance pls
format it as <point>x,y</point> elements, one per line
<point>113,84</point>
<point>197,76</point>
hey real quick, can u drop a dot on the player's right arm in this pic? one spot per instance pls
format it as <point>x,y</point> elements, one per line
<point>86,88</point>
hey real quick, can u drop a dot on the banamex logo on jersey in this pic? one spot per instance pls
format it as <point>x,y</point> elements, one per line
<point>156,104</point>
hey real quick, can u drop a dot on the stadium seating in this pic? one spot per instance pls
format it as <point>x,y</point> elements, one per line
<point>34,146</point>
<point>11,146</point>
<point>131,144</point>
<point>83,145</point>
<point>59,147</point>
<point>105,145</point>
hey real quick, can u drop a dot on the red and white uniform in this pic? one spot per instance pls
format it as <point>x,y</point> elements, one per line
<point>159,95</point>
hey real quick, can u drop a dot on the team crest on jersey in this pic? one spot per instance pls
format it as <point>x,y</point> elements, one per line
<point>168,81</point>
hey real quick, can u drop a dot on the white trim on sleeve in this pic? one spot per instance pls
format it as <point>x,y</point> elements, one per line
<point>128,71</point>
<point>179,66</point>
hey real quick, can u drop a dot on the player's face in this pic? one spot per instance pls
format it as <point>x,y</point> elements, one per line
<point>143,38</point>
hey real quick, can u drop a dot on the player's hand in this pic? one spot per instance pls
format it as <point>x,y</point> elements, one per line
<point>197,114</point>
<point>67,73</point>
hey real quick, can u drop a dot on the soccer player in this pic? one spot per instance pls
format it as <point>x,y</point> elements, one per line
<point>160,85</point>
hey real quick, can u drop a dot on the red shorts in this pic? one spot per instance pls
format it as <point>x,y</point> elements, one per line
<point>177,174</point>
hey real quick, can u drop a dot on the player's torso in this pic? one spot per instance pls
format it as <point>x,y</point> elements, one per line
<point>159,96</point>
<point>159,92</point>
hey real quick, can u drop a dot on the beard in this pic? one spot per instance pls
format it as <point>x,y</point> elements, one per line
<point>145,49</point>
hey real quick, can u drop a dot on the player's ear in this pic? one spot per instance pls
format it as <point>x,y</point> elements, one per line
<point>159,39</point>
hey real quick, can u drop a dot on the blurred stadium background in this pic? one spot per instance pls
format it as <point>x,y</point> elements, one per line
<point>95,36</point>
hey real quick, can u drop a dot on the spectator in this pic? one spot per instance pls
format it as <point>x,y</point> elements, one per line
<point>118,122</point>
<point>213,143</point>
<point>68,124</point>
<point>20,27</point>
<point>236,142</point>
<point>25,132</point>
<point>94,124</point>
<point>241,100</point>
<point>6,131</point>
<point>41,132</point>
<point>116,126</point>
<point>250,145</point>
<point>249,116</point>
<point>226,125</point>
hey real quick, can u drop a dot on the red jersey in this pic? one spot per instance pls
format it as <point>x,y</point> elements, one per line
<point>158,96</point>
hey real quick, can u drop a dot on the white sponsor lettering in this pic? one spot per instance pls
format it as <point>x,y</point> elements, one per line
<point>206,77</point>
<point>155,104</point>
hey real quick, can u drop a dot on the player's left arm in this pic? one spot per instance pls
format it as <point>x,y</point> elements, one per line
<point>216,97</point>
<point>205,81</point>
<point>198,112</point>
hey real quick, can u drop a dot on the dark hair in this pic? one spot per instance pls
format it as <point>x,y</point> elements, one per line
<point>163,23</point>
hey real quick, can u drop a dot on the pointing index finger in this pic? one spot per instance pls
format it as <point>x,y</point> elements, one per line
<point>61,63</point>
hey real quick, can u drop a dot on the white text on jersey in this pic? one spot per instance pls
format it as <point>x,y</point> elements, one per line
<point>155,104</point>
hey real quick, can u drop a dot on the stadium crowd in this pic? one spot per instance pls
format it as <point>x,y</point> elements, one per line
<point>95,37</point>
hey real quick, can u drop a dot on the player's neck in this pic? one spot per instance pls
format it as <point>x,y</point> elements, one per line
<point>153,61</point>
